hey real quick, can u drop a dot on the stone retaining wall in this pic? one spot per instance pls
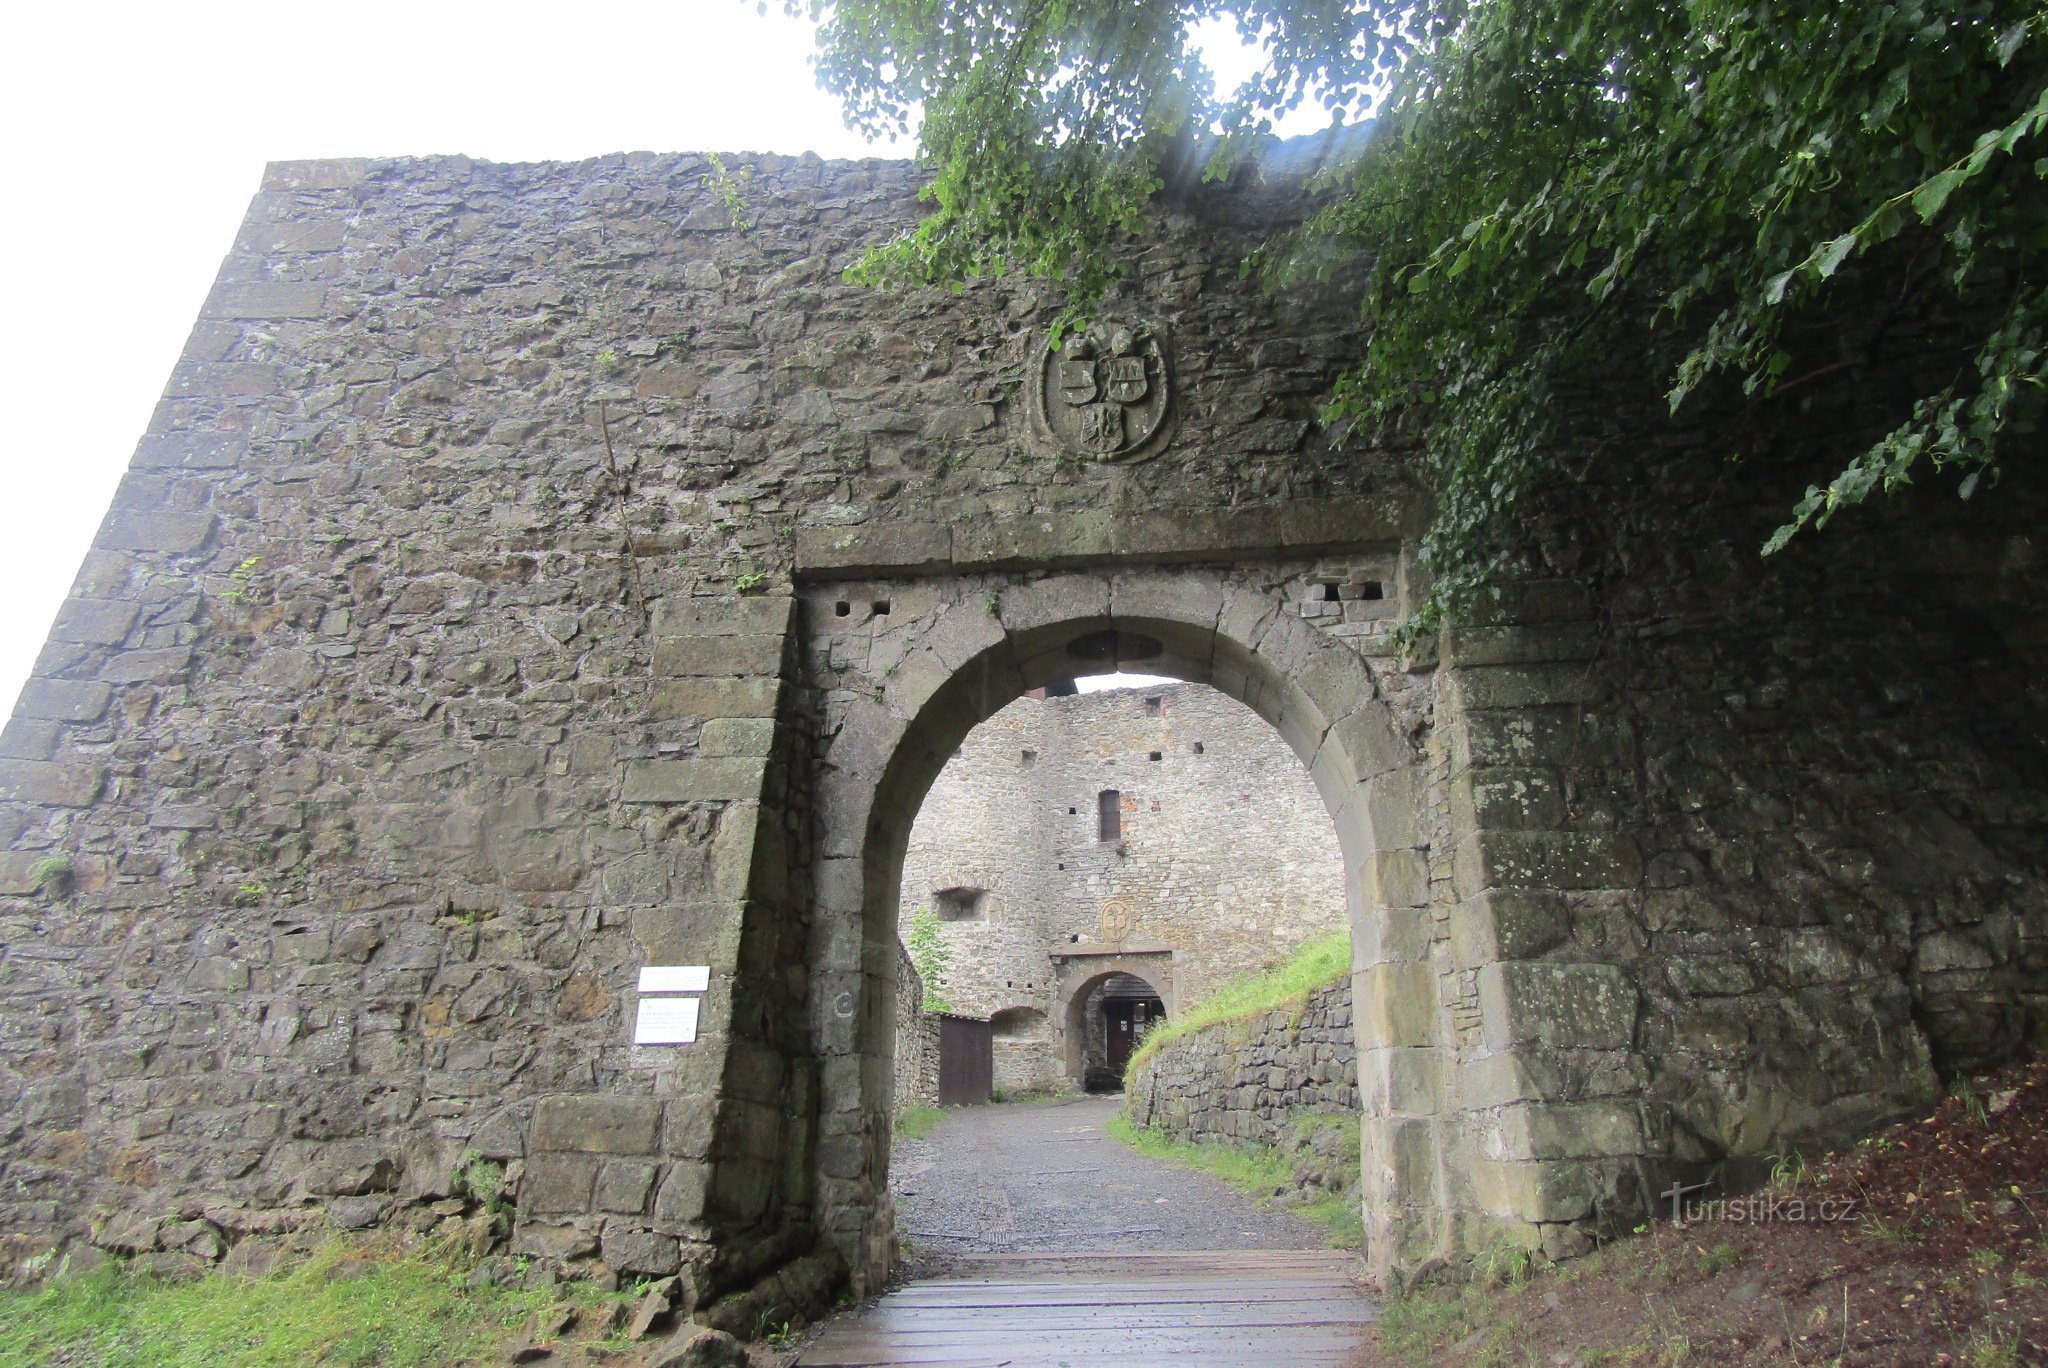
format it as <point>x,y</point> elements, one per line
<point>917,1040</point>
<point>1252,1082</point>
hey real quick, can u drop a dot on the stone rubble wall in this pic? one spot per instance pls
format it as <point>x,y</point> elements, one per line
<point>532,574</point>
<point>1251,1082</point>
<point>917,1040</point>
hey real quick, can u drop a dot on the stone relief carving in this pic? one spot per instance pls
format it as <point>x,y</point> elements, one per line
<point>1107,393</point>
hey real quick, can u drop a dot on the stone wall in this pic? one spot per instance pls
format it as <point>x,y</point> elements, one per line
<point>917,1040</point>
<point>1252,1082</point>
<point>535,574</point>
<point>1225,857</point>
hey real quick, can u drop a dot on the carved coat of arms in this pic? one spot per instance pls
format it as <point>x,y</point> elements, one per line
<point>1107,393</point>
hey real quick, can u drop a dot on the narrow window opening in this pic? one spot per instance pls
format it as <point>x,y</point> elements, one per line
<point>1327,593</point>
<point>881,607</point>
<point>1109,815</point>
<point>1198,748</point>
<point>842,608</point>
<point>1073,812</point>
<point>1028,759</point>
<point>1156,755</point>
<point>1152,707</point>
<point>1372,589</point>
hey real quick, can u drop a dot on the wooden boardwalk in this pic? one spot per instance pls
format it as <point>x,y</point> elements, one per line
<point>1232,1309</point>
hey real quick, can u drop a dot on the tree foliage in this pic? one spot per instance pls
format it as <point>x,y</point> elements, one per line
<point>1547,184</point>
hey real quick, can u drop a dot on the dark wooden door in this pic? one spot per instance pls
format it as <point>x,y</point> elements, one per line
<point>967,1061</point>
<point>1126,1020</point>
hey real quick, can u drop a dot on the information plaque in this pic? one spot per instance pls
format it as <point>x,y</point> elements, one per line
<point>666,1021</point>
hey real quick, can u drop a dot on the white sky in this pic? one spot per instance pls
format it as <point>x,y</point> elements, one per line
<point>134,136</point>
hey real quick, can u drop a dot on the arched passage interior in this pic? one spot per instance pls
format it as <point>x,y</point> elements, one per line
<point>985,645</point>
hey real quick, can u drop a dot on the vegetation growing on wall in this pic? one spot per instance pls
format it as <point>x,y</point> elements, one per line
<point>1677,197</point>
<point>1286,987</point>
<point>931,957</point>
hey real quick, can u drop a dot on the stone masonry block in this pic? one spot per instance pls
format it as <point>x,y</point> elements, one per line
<point>1515,645</point>
<point>728,736</point>
<point>1396,878</point>
<point>1507,799</point>
<point>268,299</point>
<point>18,872</point>
<point>204,450</point>
<point>1391,806</point>
<point>63,700</point>
<point>335,173</point>
<point>873,548</point>
<point>167,533</point>
<point>28,738</point>
<point>50,785</point>
<point>1080,536</point>
<point>641,1252</point>
<point>722,779</point>
<point>1058,599</point>
<point>1401,1081</point>
<point>97,622</point>
<point>715,656</point>
<point>1533,1191</point>
<point>1395,1004</point>
<point>1521,686</point>
<point>1370,742</point>
<point>1395,935</point>
<point>1507,924</point>
<point>1397,1161</point>
<point>591,1123</point>
<point>558,1182</point>
<point>1558,1006</point>
<point>685,698</point>
<point>1580,1130</point>
<point>742,615</point>
<point>1566,860</point>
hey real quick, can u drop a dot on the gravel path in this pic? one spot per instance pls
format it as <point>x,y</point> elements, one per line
<point>1044,1178</point>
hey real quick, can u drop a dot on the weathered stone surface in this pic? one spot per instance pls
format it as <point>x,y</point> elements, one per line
<point>696,1347</point>
<point>1562,1006</point>
<point>51,785</point>
<point>708,698</point>
<point>598,1124</point>
<point>394,631</point>
<point>736,778</point>
<point>165,532</point>
<point>63,700</point>
<point>640,1252</point>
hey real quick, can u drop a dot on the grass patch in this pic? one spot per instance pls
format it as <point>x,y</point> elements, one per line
<point>1253,1169</point>
<point>348,1302</point>
<point>1314,966</point>
<point>914,1123</point>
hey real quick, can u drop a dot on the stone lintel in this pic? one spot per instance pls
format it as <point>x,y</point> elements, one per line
<point>706,779</point>
<point>903,548</point>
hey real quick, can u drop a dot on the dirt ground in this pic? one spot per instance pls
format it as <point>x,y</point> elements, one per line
<point>1925,1244</point>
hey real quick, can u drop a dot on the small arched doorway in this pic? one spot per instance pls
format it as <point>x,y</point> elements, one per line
<point>1111,1018</point>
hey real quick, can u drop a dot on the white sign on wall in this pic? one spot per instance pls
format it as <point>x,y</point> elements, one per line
<point>666,1021</point>
<point>663,1017</point>
<point>675,978</point>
